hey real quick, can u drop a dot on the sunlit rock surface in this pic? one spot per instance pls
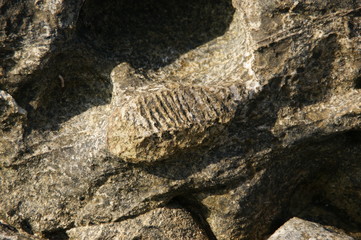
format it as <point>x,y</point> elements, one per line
<point>243,114</point>
<point>299,229</point>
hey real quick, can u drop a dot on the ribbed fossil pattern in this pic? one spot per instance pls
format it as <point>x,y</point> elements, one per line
<point>155,123</point>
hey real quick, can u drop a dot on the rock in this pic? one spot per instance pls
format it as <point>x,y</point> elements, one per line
<point>24,51</point>
<point>171,222</point>
<point>12,119</point>
<point>159,122</point>
<point>299,229</point>
<point>244,112</point>
<point>9,233</point>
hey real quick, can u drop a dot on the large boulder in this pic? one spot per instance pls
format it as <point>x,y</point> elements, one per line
<point>246,113</point>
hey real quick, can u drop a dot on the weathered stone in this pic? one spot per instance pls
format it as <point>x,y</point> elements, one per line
<point>299,229</point>
<point>161,121</point>
<point>29,30</point>
<point>9,233</point>
<point>170,222</point>
<point>12,120</point>
<point>246,112</point>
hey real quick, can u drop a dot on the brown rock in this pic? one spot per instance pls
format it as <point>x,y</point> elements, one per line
<point>246,112</point>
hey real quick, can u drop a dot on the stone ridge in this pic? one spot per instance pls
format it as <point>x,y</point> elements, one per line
<point>157,123</point>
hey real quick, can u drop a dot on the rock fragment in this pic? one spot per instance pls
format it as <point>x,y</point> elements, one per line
<point>299,229</point>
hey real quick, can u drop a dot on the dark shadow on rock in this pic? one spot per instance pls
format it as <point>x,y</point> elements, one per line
<point>14,21</point>
<point>146,34</point>
<point>244,138</point>
<point>68,85</point>
<point>194,208</point>
<point>293,167</point>
<point>332,197</point>
<point>286,168</point>
<point>149,34</point>
<point>317,71</point>
<point>59,234</point>
<point>293,185</point>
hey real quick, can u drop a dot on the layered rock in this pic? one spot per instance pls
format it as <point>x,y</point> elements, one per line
<point>245,113</point>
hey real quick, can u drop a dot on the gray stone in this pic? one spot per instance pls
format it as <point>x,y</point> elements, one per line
<point>299,229</point>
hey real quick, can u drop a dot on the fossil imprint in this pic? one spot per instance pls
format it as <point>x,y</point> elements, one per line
<point>154,123</point>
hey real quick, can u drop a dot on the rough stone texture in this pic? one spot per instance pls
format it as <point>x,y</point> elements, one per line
<point>9,233</point>
<point>28,35</point>
<point>246,113</point>
<point>12,119</point>
<point>299,229</point>
<point>170,222</point>
<point>158,122</point>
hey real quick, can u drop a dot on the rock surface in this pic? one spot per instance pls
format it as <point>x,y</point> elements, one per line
<point>12,119</point>
<point>170,222</point>
<point>9,233</point>
<point>245,113</point>
<point>156,123</point>
<point>299,229</point>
